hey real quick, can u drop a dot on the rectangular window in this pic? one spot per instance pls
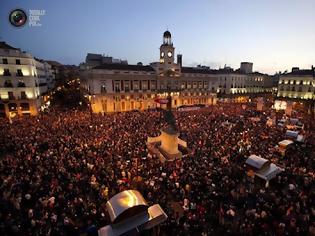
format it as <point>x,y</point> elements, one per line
<point>6,72</point>
<point>136,85</point>
<point>23,95</point>
<point>117,86</point>
<point>103,88</point>
<point>153,85</point>
<point>11,96</point>
<point>8,84</point>
<point>188,85</point>
<point>18,61</point>
<point>144,85</point>
<point>183,85</point>
<point>127,87</point>
<point>5,61</point>
<point>200,84</point>
<point>19,72</point>
<point>21,83</point>
<point>205,84</point>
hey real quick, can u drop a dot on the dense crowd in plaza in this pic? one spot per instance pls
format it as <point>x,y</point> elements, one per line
<point>58,170</point>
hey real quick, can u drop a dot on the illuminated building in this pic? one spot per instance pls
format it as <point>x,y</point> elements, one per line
<point>23,80</point>
<point>122,87</point>
<point>298,84</point>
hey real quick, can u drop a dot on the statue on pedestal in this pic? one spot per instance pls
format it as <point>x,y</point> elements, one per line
<point>165,146</point>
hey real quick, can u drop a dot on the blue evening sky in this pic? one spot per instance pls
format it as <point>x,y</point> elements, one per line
<point>273,34</point>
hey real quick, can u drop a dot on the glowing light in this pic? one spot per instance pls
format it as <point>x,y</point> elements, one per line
<point>26,72</point>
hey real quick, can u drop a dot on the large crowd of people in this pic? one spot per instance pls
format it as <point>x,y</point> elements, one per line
<point>58,170</point>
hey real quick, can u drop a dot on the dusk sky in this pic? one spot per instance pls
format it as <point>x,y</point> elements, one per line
<point>273,34</point>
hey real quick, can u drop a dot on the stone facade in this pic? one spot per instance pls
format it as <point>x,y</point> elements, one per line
<point>118,87</point>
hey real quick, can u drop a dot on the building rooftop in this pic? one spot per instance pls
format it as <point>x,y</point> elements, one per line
<point>124,67</point>
<point>198,70</point>
<point>300,72</point>
<point>54,63</point>
<point>4,45</point>
<point>257,73</point>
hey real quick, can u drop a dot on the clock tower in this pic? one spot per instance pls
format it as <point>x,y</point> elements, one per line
<point>167,50</point>
<point>166,67</point>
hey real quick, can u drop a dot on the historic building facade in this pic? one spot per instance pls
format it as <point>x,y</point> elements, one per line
<point>23,79</point>
<point>298,84</point>
<point>122,87</point>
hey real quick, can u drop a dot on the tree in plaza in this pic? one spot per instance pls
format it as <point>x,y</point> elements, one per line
<point>69,96</point>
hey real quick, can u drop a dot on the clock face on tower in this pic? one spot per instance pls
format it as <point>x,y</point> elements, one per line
<point>169,54</point>
<point>162,54</point>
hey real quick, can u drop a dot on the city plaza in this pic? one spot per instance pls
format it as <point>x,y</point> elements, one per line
<point>60,168</point>
<point>227,159</point>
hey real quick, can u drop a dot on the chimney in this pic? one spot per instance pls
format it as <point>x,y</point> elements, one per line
<point>179,60</point>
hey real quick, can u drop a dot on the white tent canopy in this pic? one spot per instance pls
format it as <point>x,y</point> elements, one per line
<point>269,173</point>
<point>263,168</point>
<point>285,143</point>
<point>291,133</point>
<point>256,161</point>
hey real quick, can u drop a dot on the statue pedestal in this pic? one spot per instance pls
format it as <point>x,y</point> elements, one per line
<point>165,146</point>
